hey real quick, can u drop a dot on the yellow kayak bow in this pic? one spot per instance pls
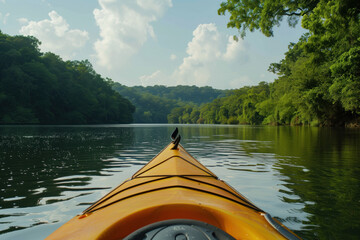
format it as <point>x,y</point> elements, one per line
<point>173,197</point>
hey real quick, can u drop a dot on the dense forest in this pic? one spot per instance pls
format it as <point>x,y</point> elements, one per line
<point>319,78</point>
<point>318,81</point>
<point>154,103</point>
<point>41,88</point>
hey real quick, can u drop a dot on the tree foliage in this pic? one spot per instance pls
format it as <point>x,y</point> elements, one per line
<point>240,106</point>
<point>191,94</point>
<point>154,104</point>
<point>319,78</point>
<point>43,89</point>
<point>264,14</point>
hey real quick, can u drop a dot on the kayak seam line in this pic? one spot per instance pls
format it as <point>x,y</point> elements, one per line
<point>135,176</point>
<point>236,194</point>
<point>103,198</point>
<point>178,175</point>
<point>123,190</point>
<point>197,161</point>
<point>187,177</point>
<point>158,178</point>
<point>177,186</point>
<point>151,160</point>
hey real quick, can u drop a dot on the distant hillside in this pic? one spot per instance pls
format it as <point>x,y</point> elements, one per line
<point>154,104</point>
<point>37,88</point>
<point>188,94</point>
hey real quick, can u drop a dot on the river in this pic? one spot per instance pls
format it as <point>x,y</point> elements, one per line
<point>307,177</point>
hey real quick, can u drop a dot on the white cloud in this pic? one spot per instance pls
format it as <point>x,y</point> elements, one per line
<point>173,57</point>
<point>124,28</point>
<point>207,50</point>
<point>158,6</point>
<point>205,44</point>
<point>233,49</point>
<point>55,35</point>
<point>203,49</point>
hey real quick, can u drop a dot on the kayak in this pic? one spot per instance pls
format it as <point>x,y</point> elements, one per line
<point>173,196</point>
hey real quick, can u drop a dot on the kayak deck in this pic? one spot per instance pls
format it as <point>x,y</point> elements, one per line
<point>173,185</point>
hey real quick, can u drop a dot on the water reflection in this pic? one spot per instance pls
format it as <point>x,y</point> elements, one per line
<point>327,181</point>
<point>308,178</point>
<point>45,165</point>
<point>315,172</point>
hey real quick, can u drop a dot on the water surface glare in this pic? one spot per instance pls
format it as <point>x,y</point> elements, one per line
<point>308,178</point>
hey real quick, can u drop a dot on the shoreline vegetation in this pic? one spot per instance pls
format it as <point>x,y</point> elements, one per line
<point>41,88</point>
<point>318,81</point>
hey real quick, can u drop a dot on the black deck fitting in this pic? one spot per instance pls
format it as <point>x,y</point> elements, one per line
<point>176,143</point>
<point>174,134</point>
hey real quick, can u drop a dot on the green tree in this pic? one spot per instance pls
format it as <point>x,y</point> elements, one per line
<point>318,78</point>
<point>42,88</point>
<point>346,85</point>
<point>264,15</point>
<point>157,104</point>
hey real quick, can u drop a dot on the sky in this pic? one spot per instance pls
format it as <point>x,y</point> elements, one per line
<point>150,42</point>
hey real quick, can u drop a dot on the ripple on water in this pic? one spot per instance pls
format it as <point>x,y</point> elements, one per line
<point>50,174</point>
<point>16,198</point>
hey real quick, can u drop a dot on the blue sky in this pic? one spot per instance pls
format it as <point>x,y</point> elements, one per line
<point>148,42</point>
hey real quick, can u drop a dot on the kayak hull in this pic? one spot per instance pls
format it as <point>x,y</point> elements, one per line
<point>174,185</point>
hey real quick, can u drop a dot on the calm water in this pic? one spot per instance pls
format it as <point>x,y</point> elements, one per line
<point>308,178</point>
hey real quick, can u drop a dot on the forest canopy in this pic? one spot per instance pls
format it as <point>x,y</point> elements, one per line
<point>41,88</point>
<point>154,103</point>
<point>318,80</point>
